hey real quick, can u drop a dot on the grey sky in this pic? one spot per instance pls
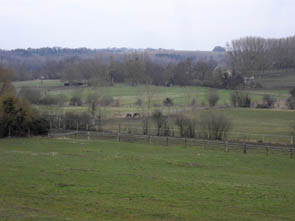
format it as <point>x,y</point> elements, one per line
<point>178,24</point>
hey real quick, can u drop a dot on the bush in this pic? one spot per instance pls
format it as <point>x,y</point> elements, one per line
<point>76,101</point>
<point>214,126</point>
<point>53,100</point>
<point>92,98</point>
<point>168,102</point>
<point>213,98</point>
<point>15,116</point>
<point>139,102</point>
<point>106,100</point>
<point>39,126</point>
<point>240,99</point>
<point>269,101</point>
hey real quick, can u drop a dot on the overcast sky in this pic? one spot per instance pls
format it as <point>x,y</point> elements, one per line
<point>178,24</point>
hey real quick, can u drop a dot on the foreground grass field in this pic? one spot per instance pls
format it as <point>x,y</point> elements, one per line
<point>44,179</point>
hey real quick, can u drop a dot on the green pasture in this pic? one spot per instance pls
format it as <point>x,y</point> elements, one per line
<point>43,179</point>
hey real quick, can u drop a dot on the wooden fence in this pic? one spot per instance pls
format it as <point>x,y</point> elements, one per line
<point>178,141</point>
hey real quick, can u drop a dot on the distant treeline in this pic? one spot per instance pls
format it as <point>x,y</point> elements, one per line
<point>28,64</point>
<point>252,54</point>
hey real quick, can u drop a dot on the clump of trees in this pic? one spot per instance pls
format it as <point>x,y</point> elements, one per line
<point>78,121</point>
<point>18,119</point>
<point>214,126</point>
<point>187,126</point>
<point>161,122</point>
<point>76,100</point>
<point>16,115</point>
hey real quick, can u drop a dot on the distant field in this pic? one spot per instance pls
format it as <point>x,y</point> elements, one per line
<point>44,179</point>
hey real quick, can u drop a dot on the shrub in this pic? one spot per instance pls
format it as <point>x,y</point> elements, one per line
<point>168,102</point>
<point>76,101</point>
<point>214,126</point>
<point>39,126</point>
<point>240,99</point>
<point>269,101</point>
<point>139,102</point>
<point>53,100</point>
<point>15,116</point>
<point>91,98</point>
<point>213,98</point>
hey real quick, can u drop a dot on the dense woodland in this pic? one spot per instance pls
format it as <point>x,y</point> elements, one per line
<point>251,54</point>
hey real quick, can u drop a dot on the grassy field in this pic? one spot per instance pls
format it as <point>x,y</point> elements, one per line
<point>278,81</point>
<point>128,94</point>
<point>44,179</point>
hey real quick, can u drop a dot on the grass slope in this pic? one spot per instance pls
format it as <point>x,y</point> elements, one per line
<point>44,179</point>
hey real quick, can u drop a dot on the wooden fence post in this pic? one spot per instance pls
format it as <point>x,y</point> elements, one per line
<point>77,126</point>
<point>245,148</point>
<point>167,142</point>
<point>185,142</point>
<point>150,139</point>
<point>291,153</point>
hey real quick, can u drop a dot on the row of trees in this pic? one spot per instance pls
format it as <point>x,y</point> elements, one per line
<point>212,126</point>
<point>252,54</point>
<point>139,68</point>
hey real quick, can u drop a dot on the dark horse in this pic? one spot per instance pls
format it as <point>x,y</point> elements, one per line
<point>128,115</point>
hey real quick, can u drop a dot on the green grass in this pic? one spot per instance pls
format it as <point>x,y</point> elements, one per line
<point>44,179</point>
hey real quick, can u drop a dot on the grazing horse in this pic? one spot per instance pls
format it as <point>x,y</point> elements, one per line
<point>136,115</point>
<point>128,115</point>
